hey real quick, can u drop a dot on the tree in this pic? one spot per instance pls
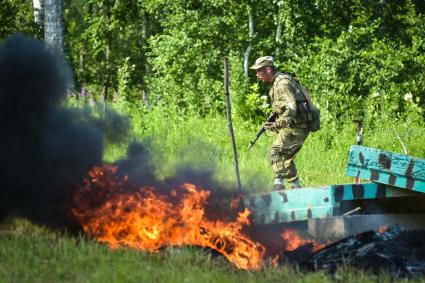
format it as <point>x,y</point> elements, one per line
<point>38,11</point>
<point>250,36</point>
<point>53,24</point>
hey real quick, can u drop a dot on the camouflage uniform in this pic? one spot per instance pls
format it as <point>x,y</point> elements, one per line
<point>290,128</point>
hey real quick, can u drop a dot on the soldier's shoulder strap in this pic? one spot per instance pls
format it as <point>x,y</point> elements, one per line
<point>301,93</point>
<point>281,76</point>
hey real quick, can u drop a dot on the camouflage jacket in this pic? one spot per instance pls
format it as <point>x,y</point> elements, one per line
<point>285,95</point>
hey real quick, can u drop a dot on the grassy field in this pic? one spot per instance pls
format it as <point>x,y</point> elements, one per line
<point>35,254</point>
<point>205,144</point>
<point>30,253</point>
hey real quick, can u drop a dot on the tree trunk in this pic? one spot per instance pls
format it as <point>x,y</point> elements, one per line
<point>53,24</point>
<point>38,11</point>
<point>108,51</point>
<point>278,38</point>
<point>144,43</point>
<point>144,37</point>
<point>249,48</point>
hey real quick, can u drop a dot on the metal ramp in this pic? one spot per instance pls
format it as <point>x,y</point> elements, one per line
<point>395,193</point>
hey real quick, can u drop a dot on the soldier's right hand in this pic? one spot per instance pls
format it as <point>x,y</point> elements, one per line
<point>271,126</point>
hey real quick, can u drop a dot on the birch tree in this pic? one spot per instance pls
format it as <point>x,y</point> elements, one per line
<point>278,38</point>
<point>53,24</point>
<point>38,11</point>
<point>250,36</point>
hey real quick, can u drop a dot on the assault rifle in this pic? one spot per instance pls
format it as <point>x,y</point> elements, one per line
<point>271,118</point>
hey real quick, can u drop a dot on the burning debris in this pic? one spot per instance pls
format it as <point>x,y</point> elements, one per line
<point>114,211</point>
<point>399,252</point>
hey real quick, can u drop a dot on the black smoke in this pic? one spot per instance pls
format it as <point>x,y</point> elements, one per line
<point>46,149</point>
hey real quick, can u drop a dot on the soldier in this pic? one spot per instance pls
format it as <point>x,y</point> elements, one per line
<point>291,130</point>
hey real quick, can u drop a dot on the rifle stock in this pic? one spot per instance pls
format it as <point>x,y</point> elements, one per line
<point>271,118</point>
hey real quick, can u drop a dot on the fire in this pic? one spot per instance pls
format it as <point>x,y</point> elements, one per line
<point>112,211</point>
<point>294,241</point>
<point>383,229</point>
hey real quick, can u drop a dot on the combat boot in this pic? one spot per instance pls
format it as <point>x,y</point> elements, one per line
<point>278,185</point>
<point>296,184</point>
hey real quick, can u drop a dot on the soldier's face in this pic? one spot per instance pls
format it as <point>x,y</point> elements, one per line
<point>265,74</point>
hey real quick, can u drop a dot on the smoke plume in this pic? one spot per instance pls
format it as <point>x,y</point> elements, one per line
<point>46,149</point>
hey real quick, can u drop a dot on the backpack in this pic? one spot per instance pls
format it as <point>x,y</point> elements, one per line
<point>306,109</point>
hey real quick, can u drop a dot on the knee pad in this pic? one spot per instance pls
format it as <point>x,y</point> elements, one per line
<point>275,156</point>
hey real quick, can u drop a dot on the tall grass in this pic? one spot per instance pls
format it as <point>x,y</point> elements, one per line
<point>205,144</point>
<point>35,254</point>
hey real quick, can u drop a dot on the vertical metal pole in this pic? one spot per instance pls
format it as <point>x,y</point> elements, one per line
<point>359,141</point>
<point>229,120</point>
<point>360,133</point>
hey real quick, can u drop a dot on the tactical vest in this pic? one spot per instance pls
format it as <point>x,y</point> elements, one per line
<point>308,116</point>
<point>296,93</point>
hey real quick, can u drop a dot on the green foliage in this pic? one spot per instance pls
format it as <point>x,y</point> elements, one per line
<point>252,105</point>
<point>187,57</point>
<point>246,99</point>
<point>343,73</point>
<point>107,41</point>
<point>18,16</point>
<point>124,77</point>
<point>343,51</point>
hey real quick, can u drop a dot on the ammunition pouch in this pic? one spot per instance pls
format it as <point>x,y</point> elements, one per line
<point>304,111</point>
<point>310,115</point>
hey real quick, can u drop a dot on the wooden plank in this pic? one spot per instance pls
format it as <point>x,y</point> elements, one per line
<point>384,167</point>
<point>335,228</point>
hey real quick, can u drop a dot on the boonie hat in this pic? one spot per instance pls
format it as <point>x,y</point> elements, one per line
<point>262,62</point>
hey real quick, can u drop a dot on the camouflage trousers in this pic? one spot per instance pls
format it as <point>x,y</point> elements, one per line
<point>287,144</point>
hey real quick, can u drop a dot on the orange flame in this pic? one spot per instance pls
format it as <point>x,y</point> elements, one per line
<point>112,212</point>
<point>294,241</point>
<point>383,229</point>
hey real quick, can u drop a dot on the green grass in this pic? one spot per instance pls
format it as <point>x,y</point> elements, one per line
<point>29,253</point>
<point>204,143</point>
<point>34,254</point>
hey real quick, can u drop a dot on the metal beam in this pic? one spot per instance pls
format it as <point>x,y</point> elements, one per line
<point>312,203</point>
<point>384,167</point>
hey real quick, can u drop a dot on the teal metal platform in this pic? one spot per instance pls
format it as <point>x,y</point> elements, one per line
<point>392,175</point>
<point>384,167</point>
